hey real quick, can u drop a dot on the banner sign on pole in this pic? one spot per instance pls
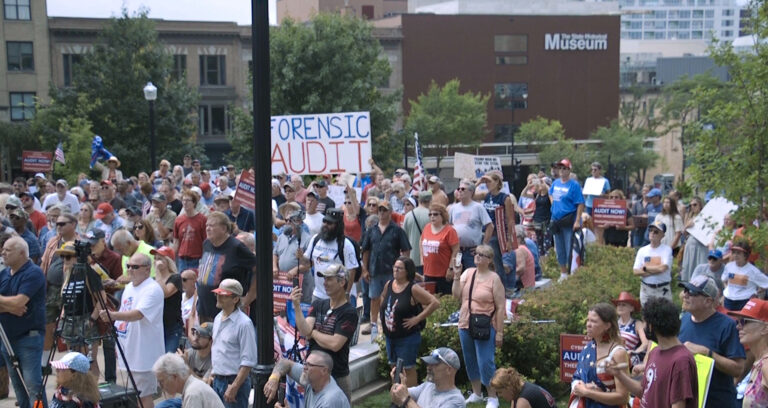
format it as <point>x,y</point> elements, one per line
<point>470,166</point>
<point>245,194</point>
<point>609,213</point>
<point>321,143</point>
<point>570,348</point>
<point>36,162</point>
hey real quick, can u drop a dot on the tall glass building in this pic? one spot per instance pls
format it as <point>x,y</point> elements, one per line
<point>679,19</point>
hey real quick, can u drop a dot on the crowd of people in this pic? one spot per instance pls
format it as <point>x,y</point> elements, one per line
<point>171,255</point>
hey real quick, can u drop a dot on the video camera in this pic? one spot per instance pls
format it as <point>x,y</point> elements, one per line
<point>82,250</point>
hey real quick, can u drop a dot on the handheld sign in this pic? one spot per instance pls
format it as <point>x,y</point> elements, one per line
<point>710,219</point>
<point>471,166</point>
<point>245,194</point>
<point>36,162</point>
<point>570,348</point>
<point>281,291</point>
<point>609,213</point>
<point>321,143</point>
<point>593,186</point>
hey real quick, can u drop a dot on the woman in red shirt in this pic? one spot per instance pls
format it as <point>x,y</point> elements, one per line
<point>439,246</point>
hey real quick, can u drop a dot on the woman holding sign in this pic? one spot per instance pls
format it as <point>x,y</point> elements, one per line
<point>493,199</point>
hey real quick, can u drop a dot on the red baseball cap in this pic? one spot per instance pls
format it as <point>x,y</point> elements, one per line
<point>164,251</point>
<point>754,309</point>
<point>565,163</point>
<point>103,210</point>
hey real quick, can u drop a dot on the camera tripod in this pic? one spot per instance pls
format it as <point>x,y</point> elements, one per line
<point>14,361</point>
<point>76,293</point>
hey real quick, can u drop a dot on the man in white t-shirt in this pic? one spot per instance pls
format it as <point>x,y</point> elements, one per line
<point>323,251</point>
<point>468,218</point>
<point>741,277</point>
<point>314,218</point>
<point>62,196</point>
<point>653,264</point>
<point>138,324</point>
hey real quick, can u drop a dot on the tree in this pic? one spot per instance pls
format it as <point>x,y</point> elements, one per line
<point>681,110</point>
<point>444,117</point>
<point>111,77</point>
<point>730,140</point>
<point>547,137</point>
<point>333,64</point>
<point>624,147</point>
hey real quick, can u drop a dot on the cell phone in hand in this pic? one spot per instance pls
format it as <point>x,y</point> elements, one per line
<point>398,370</point>
<point>296,281</point>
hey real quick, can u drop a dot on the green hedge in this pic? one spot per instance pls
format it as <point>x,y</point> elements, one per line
<point>531,347</point>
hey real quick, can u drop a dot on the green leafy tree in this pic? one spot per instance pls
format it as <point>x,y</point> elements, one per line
<point>111,78</point>
<point>445,117</point>
<point>730,142</point>
<point>547,138</point>
<point>333,64</point>
<point>681,110</point>
<point>625,147</point>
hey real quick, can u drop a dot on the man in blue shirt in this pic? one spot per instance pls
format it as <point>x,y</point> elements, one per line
<point>567,206</point>
<point>22,315</point>
<point>653,208</point>
<point>18,219</point>
<point>705,331</point>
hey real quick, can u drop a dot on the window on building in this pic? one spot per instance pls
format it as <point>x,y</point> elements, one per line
<point>367,12</point>
<point>660,25</point>
<point>179,66</point>
<point>17,10</point>
<point>503,133</point>
<point>709,24</point>
<point>20,57</point>
<point>659,35</point>
<point>510,43</point>
<point>673,3</point>
<point>698,13</point>
<point>697,24</point>
<point>685,25</point>
<point>69,61</point>
<point>649,35</point>
<point>626,3</point>
<point>511,59</point>
<point>22,106</point>
<point>510,96</point>
<point>660,14</point>
<point>648,24</point>
<point>213,120</point>
<point>635,35</point>
<point>213,70</point>
<point>697,35</point>
<point>727,33</point>
<point>727,23</point>
<point>727,12</point>
<point>709,14</point>
<point>685,14</point>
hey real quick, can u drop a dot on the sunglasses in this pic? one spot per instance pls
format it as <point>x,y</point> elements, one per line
<point>691,294</point>
<point>744,320</point>
<point>437,355</point>
<point>462,189</point>
<point>131,266</point>
<point>371,204</point>
<point>61,224</point>
<point>347,202</point>
<point>383,209</point>
<point>434,214</point>
<point>10,207</point>
<point>138,226</point>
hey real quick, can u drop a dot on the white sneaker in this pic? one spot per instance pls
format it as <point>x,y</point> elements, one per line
<point>492,403</point>
<point>562,278</point>
<point>475,398</point>
<point>374,332</point>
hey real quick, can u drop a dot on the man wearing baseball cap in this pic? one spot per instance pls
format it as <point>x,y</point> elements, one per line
<point>653,263</point>
<point>107,220</point>
<point>62,196</point>
<point>567,205</point>
<point>652,209</point>
<point>233,353</point>
<point>713,268</point>
<point>705,331</point>
<point>743,279</point>
<point>439,388</point>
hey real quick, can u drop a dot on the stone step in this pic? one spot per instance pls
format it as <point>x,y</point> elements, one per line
<point>363,365</point>
<point>369,389</point>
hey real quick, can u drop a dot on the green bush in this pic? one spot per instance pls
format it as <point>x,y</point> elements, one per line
<point>532,343</point>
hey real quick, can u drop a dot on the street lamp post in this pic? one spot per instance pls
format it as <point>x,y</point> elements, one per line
<point>150,94</point>
<point>512,162</point>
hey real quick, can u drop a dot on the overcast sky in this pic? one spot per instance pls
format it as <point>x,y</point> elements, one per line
<point>238,11</point>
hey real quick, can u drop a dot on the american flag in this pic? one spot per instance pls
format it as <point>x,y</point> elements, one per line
<point>59,153</point>
<point>419,178</point>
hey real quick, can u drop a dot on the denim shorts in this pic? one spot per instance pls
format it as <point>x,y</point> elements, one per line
<point>406,348</point>
<point>376,285</point>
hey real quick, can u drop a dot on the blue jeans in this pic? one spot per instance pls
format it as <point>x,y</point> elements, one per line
<point>467,258</point>
<point>638,237</point>
<point>220,385</point>
<point>508,279</point>
<point>563,245</point>
<point>169,403</point>
<point>366,301</point>
<point>185,264</point>
<point>172,337</point>
<point>478,356</point>
<point>29,351</point>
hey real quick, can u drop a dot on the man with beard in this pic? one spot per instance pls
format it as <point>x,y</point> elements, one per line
<point>439,388</point>
<point>330,247</point>
<point>320,388</point>
<point>197,357</point>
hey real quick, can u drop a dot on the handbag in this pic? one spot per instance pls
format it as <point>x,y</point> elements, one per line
<point>565,221</point>
<point>479,324</point>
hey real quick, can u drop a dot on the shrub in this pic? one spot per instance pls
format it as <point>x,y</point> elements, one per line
<point>532,343</point>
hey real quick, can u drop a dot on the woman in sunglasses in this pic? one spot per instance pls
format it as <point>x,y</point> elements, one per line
<point>85,221</point>
<point>753,334</point>
<point>143,231</point>
<point>618,235</point>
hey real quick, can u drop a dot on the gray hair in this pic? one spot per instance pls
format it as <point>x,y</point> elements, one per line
<point>325,358</point>
<point>371,220</point>
<point>224,178</point>
<point>247,239</point>
<point>598,165</point>
<point>171,364</point>
<point>122,238</point>
<point>469,184</point>
<point>406,178</point>
<point>398,185</point>
<point>62,209</point>
<point>19,242</point>
<point>70,217</point>
<point>520,232</point>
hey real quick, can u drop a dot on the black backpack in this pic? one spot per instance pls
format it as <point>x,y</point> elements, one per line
<point>340,251</point>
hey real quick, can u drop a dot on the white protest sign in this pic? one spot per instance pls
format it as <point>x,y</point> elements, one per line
<point>593,186</point>
<point>482,188</point>
<point>321,143</point>
<point>710,219</point>
<point>337,194</point>
<point>470,166</point>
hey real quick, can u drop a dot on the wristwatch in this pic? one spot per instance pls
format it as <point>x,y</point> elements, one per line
<point>645,269</point>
